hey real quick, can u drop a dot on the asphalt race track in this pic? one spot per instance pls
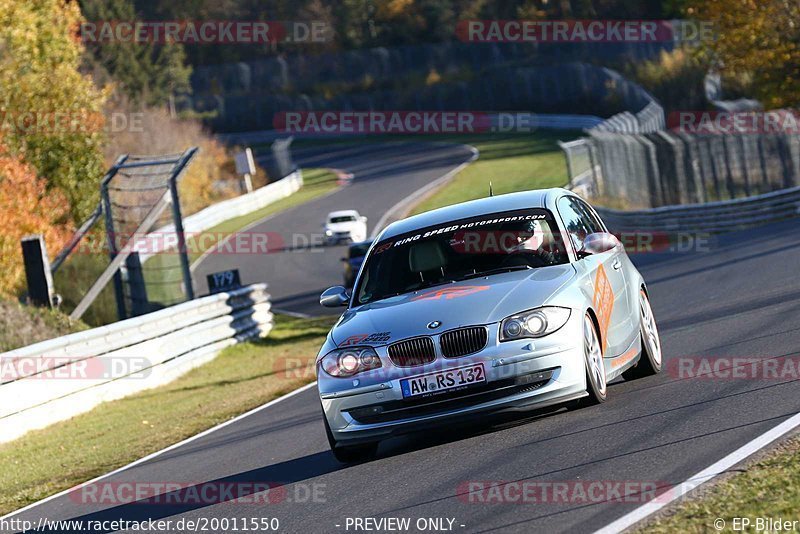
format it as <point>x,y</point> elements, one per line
<point>738,295</point>
<point>299,269</point>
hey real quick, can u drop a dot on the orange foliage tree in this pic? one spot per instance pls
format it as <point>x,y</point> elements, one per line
<point>26,207</point>
<point>756,38</point>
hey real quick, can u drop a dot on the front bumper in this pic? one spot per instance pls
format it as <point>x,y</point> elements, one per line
<point>338,237</point>
<point>520,375</point>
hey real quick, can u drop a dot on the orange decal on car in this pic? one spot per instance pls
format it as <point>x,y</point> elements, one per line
<point>625,358</point>
<point>603,303</point>
<point>449,293</point>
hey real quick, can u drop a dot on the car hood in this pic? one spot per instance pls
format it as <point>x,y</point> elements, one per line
<point>470,302</point>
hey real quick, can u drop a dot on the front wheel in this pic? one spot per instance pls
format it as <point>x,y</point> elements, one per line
<point>348,454</point>
<point>595,369</point>
<point>650,361</point>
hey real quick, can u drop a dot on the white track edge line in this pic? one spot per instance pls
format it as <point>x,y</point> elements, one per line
<point>714,470</point>
<point>162,451</point>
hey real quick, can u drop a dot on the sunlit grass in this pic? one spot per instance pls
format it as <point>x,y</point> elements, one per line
<point>116,433</point>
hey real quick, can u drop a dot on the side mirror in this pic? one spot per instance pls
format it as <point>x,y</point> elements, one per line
<point>363,219</point>
<point>598,243</point>
<point>334,297</point>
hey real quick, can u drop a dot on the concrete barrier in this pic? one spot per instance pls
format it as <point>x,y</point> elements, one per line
<point>59,378</point>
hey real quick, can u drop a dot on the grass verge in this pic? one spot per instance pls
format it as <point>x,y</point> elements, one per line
<point>46,461</point>
<point>511,163</point>
<point>768,487</point>
<point>22,325</point>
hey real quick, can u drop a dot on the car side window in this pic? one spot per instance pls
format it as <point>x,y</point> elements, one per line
<point>589,217</point>
<point>576,223</point>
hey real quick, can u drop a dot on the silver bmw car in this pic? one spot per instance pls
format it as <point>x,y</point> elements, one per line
<point>511,302</point>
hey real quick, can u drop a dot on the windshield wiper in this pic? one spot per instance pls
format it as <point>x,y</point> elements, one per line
<point>497,270</point>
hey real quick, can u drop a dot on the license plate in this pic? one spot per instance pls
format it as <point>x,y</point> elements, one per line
<point>444,381</point>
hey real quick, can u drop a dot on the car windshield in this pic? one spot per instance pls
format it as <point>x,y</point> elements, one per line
<point>462,249</point>
<point>342,218</point>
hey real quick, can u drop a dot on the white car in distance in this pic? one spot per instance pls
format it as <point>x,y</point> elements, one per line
<point>343,225</point>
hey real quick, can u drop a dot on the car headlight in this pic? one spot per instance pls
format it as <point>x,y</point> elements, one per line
<point>328,233</point>
<point>343,363</point>
<point>533,323</point>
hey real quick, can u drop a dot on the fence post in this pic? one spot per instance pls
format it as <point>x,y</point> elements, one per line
<point>37,270</point>
<point>728,170</point>
<point>136,285</point>
<point>745,164</point>
<point>714,172</point>
<point>570,172</point>
<point>178,218</point>
<point>762,162</point>
<point>595,169</point>
<point>111,237</point>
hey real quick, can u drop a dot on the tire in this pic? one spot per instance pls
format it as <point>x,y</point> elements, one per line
<point>650,361</point>
<point>348,454</point>
<point>596,384</point>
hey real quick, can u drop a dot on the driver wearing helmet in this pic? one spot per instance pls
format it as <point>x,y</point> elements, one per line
<point>529,239</point>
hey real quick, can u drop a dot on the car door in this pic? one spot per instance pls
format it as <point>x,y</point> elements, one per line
<point>602,275</point>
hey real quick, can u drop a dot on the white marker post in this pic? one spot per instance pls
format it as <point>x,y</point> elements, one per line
<point>246,166</point>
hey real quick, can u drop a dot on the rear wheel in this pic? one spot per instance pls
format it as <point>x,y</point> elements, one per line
<point>348,454</point>
<point>650,361</point>
<point>595,370</point>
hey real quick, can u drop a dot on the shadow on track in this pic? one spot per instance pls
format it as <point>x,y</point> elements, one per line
<point>284,473</point>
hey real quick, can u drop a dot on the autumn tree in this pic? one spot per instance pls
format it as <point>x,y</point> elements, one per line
<point>759,39</point>
<point>50,113</point>
<point>26,207</point>
<point>147,73</point>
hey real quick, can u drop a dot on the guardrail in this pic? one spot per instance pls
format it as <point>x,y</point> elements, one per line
<point>710,217</point>
<point>59,378</point>
<point>649,119</point>
<point>222,211</point>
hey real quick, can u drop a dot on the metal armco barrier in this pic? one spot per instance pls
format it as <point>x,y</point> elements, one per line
<point>711,217</point>
<point>649,119</point>
<point>59,378</point>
